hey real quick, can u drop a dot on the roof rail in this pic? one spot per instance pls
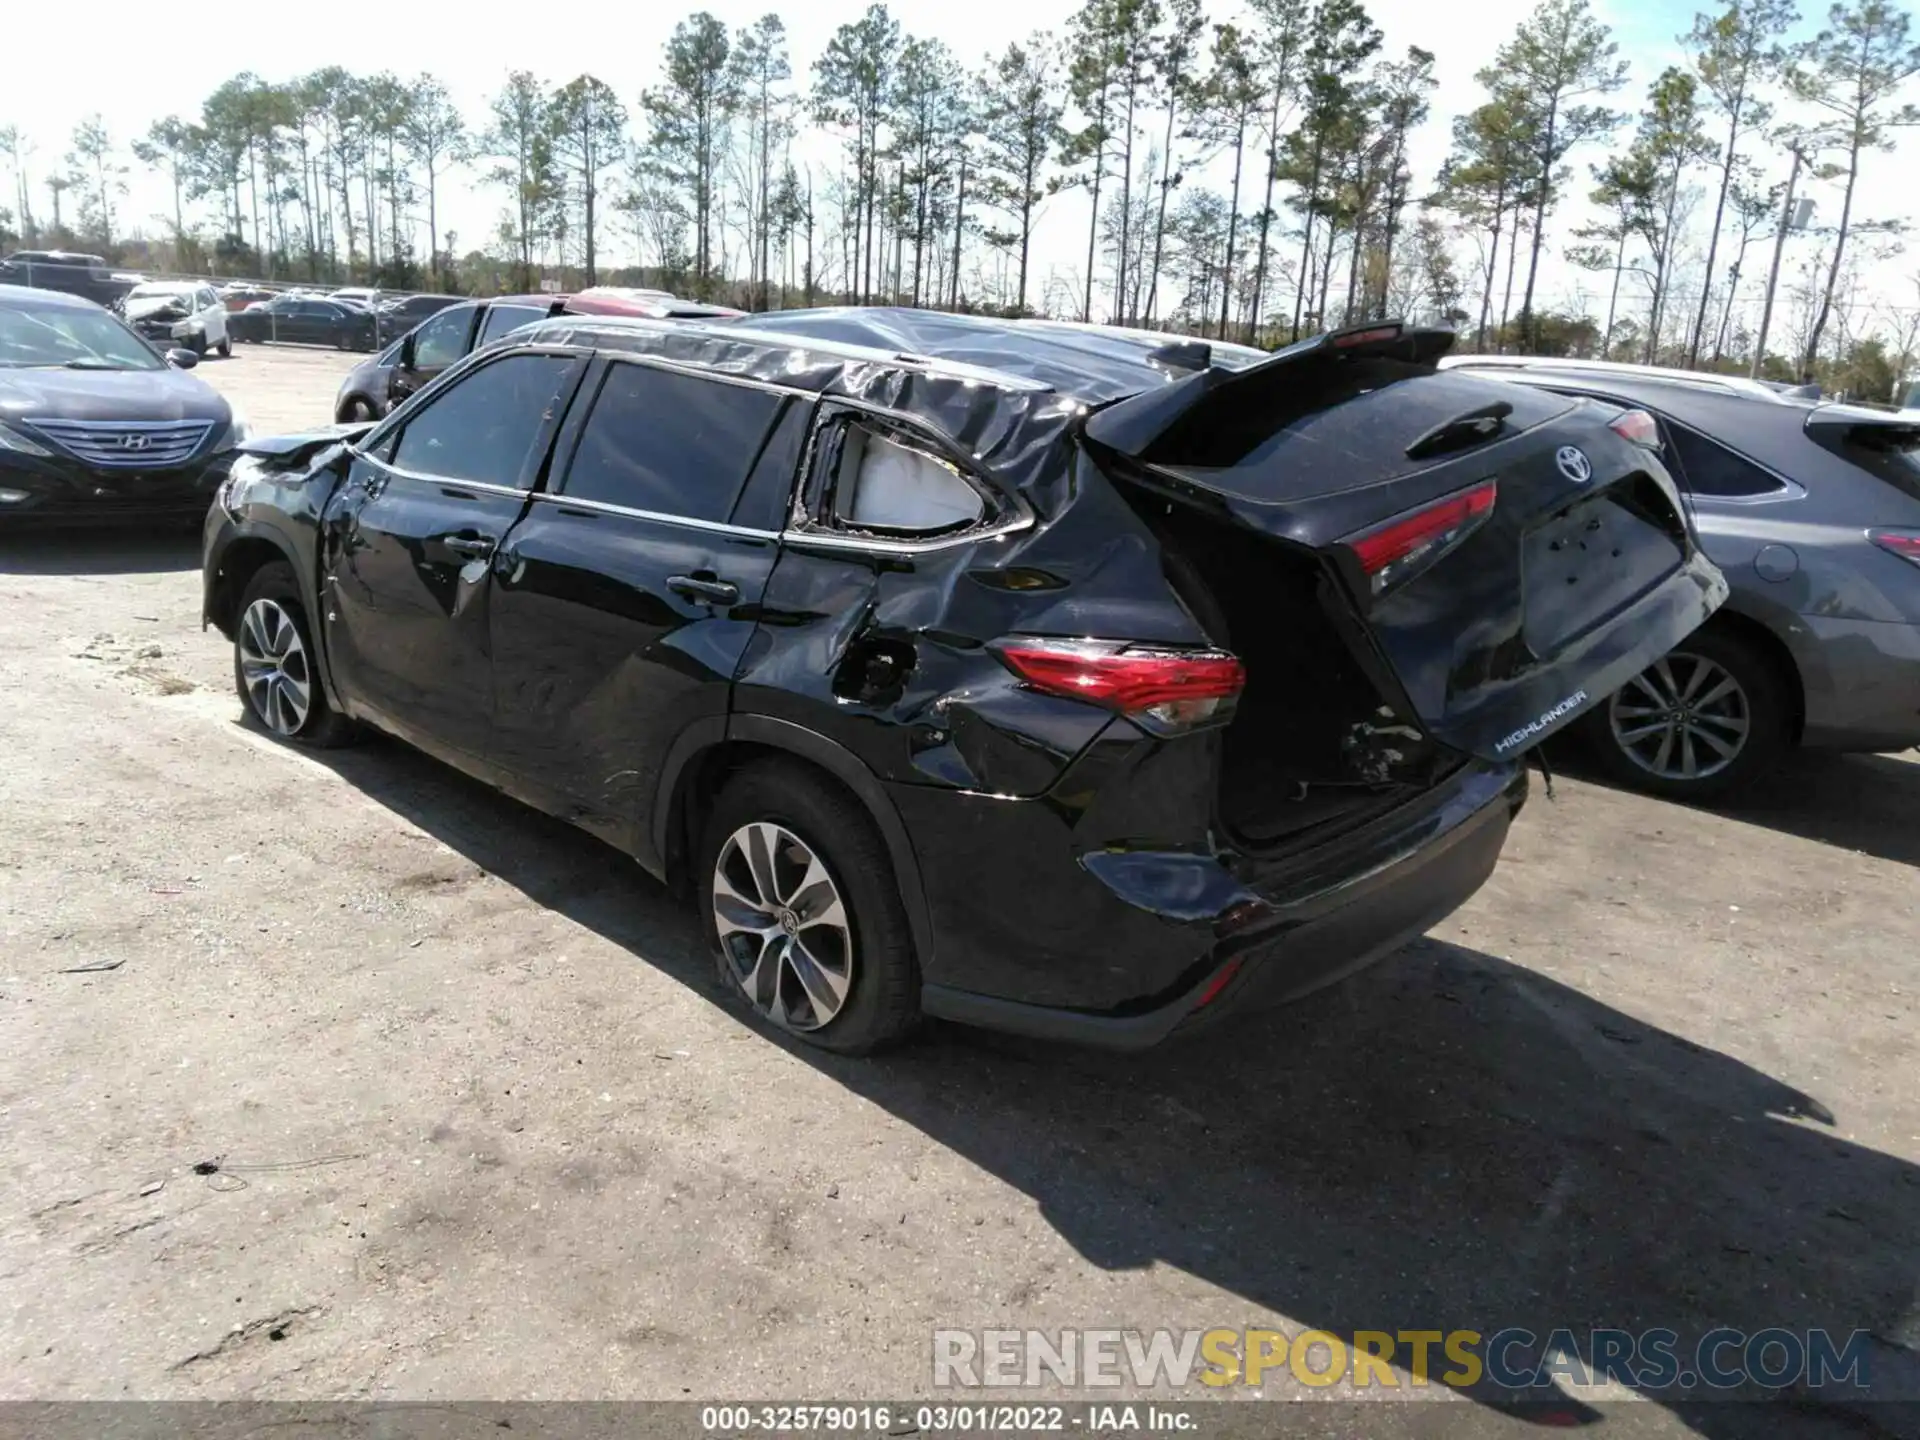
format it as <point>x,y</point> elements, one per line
<point>1702,379</point>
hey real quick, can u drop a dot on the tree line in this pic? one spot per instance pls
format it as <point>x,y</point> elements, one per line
<point>1245,177</point>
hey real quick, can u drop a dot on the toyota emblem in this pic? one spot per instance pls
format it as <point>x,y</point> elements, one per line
<point>1574,464</point>
<point>135,442</point>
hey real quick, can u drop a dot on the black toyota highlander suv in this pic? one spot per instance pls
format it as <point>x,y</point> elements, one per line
<point>1072,681</point>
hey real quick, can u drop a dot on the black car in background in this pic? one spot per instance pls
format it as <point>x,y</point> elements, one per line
<point>95,424</point>
<point>406,311</point>
<point>1037,676</point>
<point>304,320</point>
<point>374,385</point>
<point>87,276</point>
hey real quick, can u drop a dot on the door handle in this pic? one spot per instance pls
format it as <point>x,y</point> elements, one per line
<point>473,549</point>
<point>720,592</point>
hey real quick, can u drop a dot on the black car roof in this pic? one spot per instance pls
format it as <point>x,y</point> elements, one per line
<point>1093,363</point>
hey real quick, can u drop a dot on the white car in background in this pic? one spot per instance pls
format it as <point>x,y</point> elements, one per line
<point>186,313</point>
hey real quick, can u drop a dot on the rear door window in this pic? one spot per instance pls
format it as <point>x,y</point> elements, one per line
<point>668,443</point>
<point>1886,452</point>
<point>1710,468</point>
<point>482,428</point>
<point>504,319</point>
<point>442,340</point>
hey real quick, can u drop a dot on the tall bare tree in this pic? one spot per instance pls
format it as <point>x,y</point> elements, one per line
<point>1732,54</point>
<point>1559,60</point>
<point>1854,71</point>
<point>1020,129</point>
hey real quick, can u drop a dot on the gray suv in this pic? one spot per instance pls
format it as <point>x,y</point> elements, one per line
<point>1812,510</point>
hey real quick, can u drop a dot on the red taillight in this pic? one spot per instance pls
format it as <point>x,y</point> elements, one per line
<point>1391,552</point>
<point>1170,688</point>
<point>1639,427</point>
<point>1904,543</point>
<point>1365,337</point>
<point>1220,981</point>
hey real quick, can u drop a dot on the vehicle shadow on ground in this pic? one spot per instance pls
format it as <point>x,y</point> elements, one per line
<point>1865,803</point>
<point>1447,1141</point>
<point>106,550</point>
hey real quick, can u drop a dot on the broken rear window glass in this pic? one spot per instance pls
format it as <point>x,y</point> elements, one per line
<point>882,484</point>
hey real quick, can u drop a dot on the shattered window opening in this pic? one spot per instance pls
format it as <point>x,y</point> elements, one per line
<point>883,485</point>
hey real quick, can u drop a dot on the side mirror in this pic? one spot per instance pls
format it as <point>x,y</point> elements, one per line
<point>181,359</point>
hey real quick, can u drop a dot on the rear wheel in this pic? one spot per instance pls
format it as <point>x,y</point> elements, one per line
<point>226,347</point>
<point>1700,724</point>
<point>273,663</point>
<point>800,905</point>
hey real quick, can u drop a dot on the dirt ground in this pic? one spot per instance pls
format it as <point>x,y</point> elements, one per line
<point>484,1129</point>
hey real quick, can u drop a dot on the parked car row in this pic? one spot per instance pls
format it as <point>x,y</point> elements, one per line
<point>1036,675</point>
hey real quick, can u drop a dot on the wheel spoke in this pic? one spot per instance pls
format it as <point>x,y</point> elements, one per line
<point>254,628</point>
<point>1726,749</point>
<point>1666,752</point>
<point>1727,686</point>
<point>762,842</point>
<point>1641,732</point>
<point>1701,670</point>
<point>826,988</point>
<point>1635,712</point>
<point>1669,686</point>
<point>1641,683</point>
<point>1733,724</point>
<point>1689,766</point>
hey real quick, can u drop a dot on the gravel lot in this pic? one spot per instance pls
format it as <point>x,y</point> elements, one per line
<point>484,1129</point>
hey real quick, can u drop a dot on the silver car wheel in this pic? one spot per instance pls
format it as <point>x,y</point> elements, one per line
<point>273,665</point>
<point>783,926</point>
<point>1684,718</point>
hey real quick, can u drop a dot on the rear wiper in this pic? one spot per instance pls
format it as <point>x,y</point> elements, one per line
<point>1475,427</point>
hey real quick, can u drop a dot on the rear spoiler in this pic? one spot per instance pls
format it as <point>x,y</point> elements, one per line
<point>1133,425</point>
<point>1893,426</point>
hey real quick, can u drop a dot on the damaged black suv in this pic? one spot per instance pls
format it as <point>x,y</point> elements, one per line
<point>1065,680</point>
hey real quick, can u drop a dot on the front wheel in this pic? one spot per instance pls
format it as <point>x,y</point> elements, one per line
<point>226,347</point>
<point>1700,724</point>
<point>273,663</point>
<point>800,905</point>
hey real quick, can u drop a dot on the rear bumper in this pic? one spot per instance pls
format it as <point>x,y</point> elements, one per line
<point>1241,951</point>
<point>1861,680</point>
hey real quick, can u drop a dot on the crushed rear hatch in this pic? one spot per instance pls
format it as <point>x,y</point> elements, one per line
<point>1492,560</point>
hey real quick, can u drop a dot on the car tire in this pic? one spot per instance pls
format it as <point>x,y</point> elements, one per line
<point>198,345</point>
<point>357,410</point>
<point>226,347</point>
<point>274,668</point>
<point>833,963</point>
<point>1685,698</point>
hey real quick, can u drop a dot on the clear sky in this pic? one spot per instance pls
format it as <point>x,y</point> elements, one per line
<point>131,79</point>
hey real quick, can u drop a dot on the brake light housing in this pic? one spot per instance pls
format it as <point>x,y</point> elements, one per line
<point>1637,427</point>
<point>1904,543</point>
<point>1166,689</point>
<point>1391,553</point>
